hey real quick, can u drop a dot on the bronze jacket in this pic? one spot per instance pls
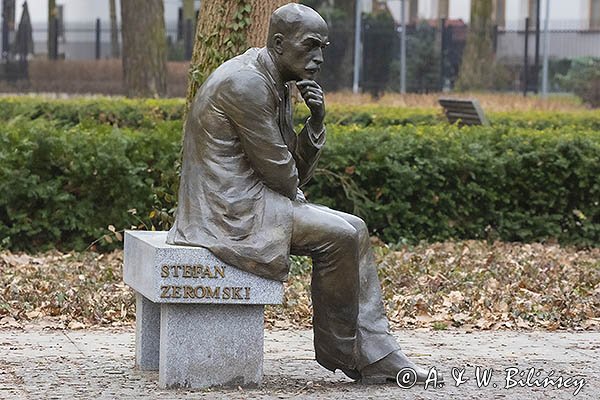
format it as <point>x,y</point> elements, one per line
<point>242,167</point>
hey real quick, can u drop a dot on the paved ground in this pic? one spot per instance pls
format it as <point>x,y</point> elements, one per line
<point>98,364</point>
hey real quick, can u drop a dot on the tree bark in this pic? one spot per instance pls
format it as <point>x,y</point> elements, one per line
<point>52,42</point>
<point>8,26</point>
<point>261,14</point>
<point>114,30</point>
<point>443,8</point>
<point>188,10</point>
<point>477,67</point>
<point>189,22</point>
<point>225,29</point>
<point>144,48</point>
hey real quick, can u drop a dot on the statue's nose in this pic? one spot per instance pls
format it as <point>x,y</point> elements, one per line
<point>318,58</point>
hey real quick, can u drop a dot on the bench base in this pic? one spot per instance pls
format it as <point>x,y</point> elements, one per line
<point>200,345</point>
<point>199,319</point>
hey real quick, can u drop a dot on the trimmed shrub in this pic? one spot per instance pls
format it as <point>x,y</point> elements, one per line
<point>63,187</point>
<point>127,113</point>
<point>130,113</point>
<point>64,182</point>
<point>440,182</point>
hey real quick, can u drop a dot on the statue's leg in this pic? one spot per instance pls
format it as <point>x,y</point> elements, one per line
<point>378,354</point>
<point>373,338</point>
<point>332,243</point>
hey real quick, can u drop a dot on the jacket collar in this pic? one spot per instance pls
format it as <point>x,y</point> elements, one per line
<point>264,58</point>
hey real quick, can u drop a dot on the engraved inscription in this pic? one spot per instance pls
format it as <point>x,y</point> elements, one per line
<point>192,271</point>
<point>205,292</point>
<point>199,291</point>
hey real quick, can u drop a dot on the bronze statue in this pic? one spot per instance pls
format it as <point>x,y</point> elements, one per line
<point>243,167</point>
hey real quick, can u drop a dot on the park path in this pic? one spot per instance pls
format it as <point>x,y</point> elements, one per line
<point>98,364</point>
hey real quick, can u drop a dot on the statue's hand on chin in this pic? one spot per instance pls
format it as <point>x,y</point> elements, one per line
<point>313,97</point>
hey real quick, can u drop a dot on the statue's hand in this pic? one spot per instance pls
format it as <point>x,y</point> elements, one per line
<point>313,97</point>
<point>300,196</point>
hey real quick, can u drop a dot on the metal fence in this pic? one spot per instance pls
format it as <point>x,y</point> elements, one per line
<point>434,50</point>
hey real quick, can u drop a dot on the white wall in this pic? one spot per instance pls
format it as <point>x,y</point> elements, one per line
<point>563,44</point>
<point>88,10</point>
<point>565,14</point>
<point>427,9</point>
<point>75,10</point>
<point>460,9</point>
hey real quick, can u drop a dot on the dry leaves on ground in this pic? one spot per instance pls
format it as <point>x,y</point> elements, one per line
<point>471,284</point>
<point>74,290</point>
<point>475,285</point>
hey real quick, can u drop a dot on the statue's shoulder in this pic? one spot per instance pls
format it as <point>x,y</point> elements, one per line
<point>243,74</point>
<point>241,67</point>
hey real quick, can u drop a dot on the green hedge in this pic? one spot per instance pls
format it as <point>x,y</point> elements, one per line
<point>63,187</point>
<point>64,184</point>
<point>440,182</point>
<point>127,113</point>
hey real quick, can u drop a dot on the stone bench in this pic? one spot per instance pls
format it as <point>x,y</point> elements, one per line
<point>199,321</point>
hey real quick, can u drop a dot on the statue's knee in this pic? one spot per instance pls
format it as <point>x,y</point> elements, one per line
<point>347,236</point>
<point>362,229</point>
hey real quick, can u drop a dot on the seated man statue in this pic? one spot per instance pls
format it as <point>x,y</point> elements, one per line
<point>240,197</point>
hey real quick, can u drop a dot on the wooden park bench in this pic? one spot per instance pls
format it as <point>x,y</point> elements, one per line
<point>463,111</point>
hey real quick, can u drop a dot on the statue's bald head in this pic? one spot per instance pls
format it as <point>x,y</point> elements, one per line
<point>297,37</point>
<point>293,18</point>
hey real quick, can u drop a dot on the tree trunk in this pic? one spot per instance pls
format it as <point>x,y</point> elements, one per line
<point>8,26</point>
<point>114,30</point>
<point>52,42</point>
<point>477,67</point>
<point>189,22</point>
<point>144,48</point>
<point>443,8</point>
<point>225,29</point>
<point>188,10</point>
<point>260,16</point>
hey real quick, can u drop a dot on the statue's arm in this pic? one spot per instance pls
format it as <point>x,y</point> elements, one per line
<point>248,103</point>
<point>312,137</point>
<point>308,151</point>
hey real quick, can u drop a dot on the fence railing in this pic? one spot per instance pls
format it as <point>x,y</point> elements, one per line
<point>434,52</point>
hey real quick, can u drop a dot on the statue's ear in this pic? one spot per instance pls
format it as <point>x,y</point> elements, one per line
<point>278,43</point>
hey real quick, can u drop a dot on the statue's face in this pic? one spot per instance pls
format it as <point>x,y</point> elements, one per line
<point>302,51</point>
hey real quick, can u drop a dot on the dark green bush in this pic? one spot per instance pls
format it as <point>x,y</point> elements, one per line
<point>63,185</point>
<point>66,113</point>
<point>440,182</point>
<point>583,79</point>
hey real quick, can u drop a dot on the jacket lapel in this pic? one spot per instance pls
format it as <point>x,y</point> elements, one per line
<point>285,121</point>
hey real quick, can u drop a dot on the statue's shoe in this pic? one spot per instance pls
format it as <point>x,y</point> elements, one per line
<point>386,370</point>
<point>350,373</point>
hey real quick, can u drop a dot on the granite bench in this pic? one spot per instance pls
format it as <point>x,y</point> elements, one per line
<point>199,321</point>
